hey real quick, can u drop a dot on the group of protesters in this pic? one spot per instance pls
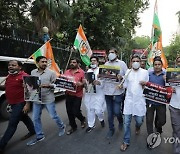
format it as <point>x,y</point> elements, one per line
<point>123,99</point>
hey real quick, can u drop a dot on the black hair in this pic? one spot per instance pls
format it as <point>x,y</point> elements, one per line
<point>157,58</point>
<point>135,56</point>
<point>39,58</point>
<point>95,58</point>
<point>18,62</point>
<point>76,59</point>
<point>114,49</point>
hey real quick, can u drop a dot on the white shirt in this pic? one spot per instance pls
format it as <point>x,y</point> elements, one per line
<point>134,101</point>
<point>95,100</point>
<point>110,88</point>
<point>175,99</point>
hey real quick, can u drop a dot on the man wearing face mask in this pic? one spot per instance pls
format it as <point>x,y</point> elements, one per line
<point>174,108</point>
<point>95,102</point>
<point>15,96</point>
<point>73,99</point>
<point>134,104</point>
<point>113,95</point>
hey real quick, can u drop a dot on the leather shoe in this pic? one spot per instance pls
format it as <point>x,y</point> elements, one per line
<point>28,135</point>
<point>70,131</point>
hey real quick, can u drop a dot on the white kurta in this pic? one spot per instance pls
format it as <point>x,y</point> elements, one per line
<point>95,100</point>
<point>134,101</point>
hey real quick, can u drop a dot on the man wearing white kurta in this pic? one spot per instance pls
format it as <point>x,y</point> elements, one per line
<point>134,105</point>
<point>95,102</point>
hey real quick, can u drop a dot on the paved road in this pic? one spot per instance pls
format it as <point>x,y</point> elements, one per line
<point>80,142</point>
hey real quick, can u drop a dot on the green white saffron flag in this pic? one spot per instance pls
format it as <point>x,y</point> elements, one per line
<point>81,43</point>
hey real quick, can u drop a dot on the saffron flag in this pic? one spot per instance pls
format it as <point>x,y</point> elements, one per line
<point>156,42</point>
<point>46,50</point>
<point>81,43</point>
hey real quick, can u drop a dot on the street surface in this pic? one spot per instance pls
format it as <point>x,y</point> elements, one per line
<point>81,142</point>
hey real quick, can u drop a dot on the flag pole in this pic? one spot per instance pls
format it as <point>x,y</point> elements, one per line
<point>145,50</point>
<point>69,58</point>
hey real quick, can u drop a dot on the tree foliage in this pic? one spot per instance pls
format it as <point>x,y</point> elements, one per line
<point>174,48</point>
<point>14,14</point>
<point>106,23</point>
<point>49,13</point>
<point>141,42</point>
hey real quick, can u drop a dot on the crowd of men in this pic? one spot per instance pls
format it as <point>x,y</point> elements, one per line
<point>122,99</point>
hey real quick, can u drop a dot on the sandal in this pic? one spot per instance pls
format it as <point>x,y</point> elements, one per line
<point>124,147</point>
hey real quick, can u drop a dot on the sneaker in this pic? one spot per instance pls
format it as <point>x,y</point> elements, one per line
<point>34,141</point>
<point>89,129</point>
<point>62,130</point>
<point>83,124</point>
<point>102,123</point>
<point>28,135</point>
<point>110,134</point>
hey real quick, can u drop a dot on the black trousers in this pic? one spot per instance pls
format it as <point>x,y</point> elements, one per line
<point>160,119</point>
<point>73,108</point>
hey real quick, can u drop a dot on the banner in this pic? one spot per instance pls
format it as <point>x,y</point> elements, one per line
<point>32,90</point>
<point>173,77</point>
<point>157,93</point>
<point>109,73</point>
<point>65,83</point>
<point>90,77</point>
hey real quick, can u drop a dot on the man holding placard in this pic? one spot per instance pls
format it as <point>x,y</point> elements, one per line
<point>73,99</point>
<point>94,97</point>
<point>113,95</point>
<point>158,77</point>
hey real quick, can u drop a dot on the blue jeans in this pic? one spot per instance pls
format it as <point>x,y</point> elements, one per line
<point>16,116</point>
<point>127,124</point>
<point>37,110</point>
<point>114,106</point>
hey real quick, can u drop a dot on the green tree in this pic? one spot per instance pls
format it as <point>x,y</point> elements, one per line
<point>106,23</point>
<point>14,15</point>
<point>50,13</point>
<point>141,42</point>
<point>174,48</point>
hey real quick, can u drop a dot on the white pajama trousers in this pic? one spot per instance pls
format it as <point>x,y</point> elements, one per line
<point>91,116</point>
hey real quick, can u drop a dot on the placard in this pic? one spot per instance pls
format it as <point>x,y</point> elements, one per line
<point>90,77</point>
<point>109,73</point>
<point>32,90</point>
<point>66,83</point>
<point>157,93</point>
<point>173,77</point>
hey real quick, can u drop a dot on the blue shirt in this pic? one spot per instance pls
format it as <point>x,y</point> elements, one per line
<point>157,79</point>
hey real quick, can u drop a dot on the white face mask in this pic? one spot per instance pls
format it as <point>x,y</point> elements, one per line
<point>136,65</point>
<point>15,72</point>
<point>93,66</point>
<point>112,56</point>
